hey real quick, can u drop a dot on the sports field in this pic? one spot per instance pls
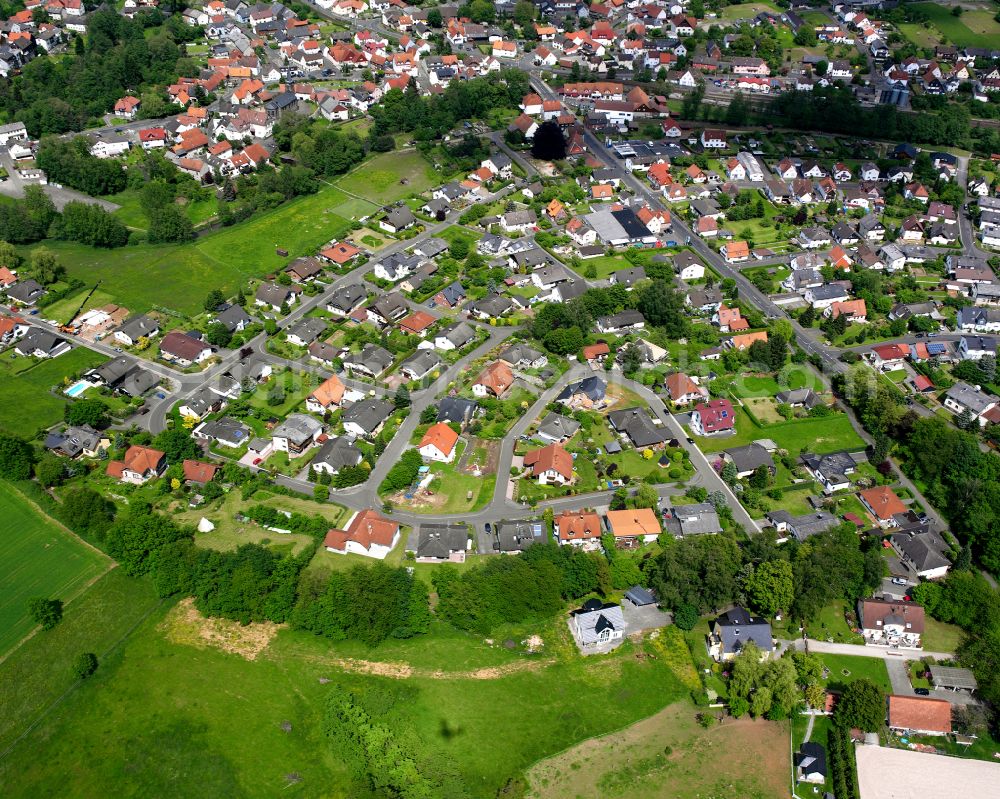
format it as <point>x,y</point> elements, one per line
<point>40,559</point>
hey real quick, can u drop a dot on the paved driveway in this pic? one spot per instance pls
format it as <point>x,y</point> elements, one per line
<point>648,617</point>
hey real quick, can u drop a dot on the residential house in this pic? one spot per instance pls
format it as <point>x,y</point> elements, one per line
<point>442,543</point>
<point>883,504</point>
<point>456,409</point>
<point>890,623</point>
<point>586,394</point>
<point>366,418</point>
<point>749,458</point>
<point>420,364</point>
<point>832,471</point>
<point>639,427</point>
<point>550,465</point>
<point>334,454</point>
<point>141,464</point>
<point>495,379</point>
<point>578,528</point>
<point>963,398</point>
<point>632,526</point>
<point>683,390</point>
<point>39,343</point>
<point>732,631</point>
<point>371,361</point>
<point>369,533</point>
<point>715,417</point>
<point>923,551</point>
<point>438,443</point>
<point>184,349</point>
<point>701,518</point>
<point>918,715</point>
<point>296,434</point>
<point>597,625</point>
<point>557,428</point>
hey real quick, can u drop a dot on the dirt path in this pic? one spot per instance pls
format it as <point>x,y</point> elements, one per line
<point>397,670</point>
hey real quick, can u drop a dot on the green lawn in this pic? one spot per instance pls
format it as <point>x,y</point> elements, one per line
<point>822,435</point>
<point>40,559</point>
<point>764,386</point>
<point>972,29</point>
<point>941,637</point>
<point>846,669</point>
<point>167,718</point>
<point>378,179</point>
<point>746,10</point>
<point>27,404</point>
<point>830,624</point>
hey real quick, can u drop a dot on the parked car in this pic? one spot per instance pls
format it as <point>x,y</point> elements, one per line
<point>899,581</point>
<point>922,691</point>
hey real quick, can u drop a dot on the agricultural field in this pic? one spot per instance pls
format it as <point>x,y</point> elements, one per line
<point>238,711</point>
<point>27,404</point>
<point>669,755</point>
<point>975,28</point>
<point>41,558</point>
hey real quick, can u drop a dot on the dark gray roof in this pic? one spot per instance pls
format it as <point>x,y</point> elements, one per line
<point>593,387</point>
<point>736,627</point>
<point>233,317</point>
<point>372,358</point>
<point>748,458</point>
<point>441,540</point>
<point>369,413</point>
<point>925,550</point>
<point>638,426</point>
<point>557,426</point>
<point>456,409</point>
<point>337,453</point>
<point>638,595</point>
<point>517,536</point>
<point>811,759</point>
<point>347,298</point>
<point>698,519</point>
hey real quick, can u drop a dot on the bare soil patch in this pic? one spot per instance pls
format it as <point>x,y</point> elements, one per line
<point>764,408</point>
<point>185,625</point>
<point>669,756</point>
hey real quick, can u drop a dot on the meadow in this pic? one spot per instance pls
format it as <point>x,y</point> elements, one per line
<point>41,559</point>
<point>975,28</point>
<point>167,714</point>
<point>27,404</point>
<point>670,755</point>
<point>178,277</point>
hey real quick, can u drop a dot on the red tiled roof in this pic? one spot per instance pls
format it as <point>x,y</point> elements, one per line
<point>919,713</point>
<point>554,457</point>
<point>577,525</point>
<point>199,471</point>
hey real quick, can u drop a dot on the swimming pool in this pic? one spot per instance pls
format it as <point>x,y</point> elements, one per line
<point>77,388</point>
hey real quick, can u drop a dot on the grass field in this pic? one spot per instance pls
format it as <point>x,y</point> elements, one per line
<point>178,277</point>
<point>846,669</point>
<point>670,755</point>
<point>40,559</point>
<point>972,29</point>
<point>378,180</point>
<point>132,214</point>
<point>41,668</point>
<point>26,403</point>
<point>164,717</point>
<point>830,625</point>
<point>746,10</point>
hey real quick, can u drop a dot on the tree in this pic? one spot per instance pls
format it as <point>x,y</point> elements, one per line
<point>434,18</point>
<point>458,249</point>
<point>88,511</point>
<point>50,470</point>
<point>401,399</point>
<point>169,225</point>
<point>43,266</point>
<point>9,256</point>
<point>861,705</point>
<point>177,445</point>
<point>214,299</point>
<point>218,335</point>
<point>769,587</point>
<point>16,458</point>
<point>549,143</point>
<point>84,665</point>
<point>45,612</point>
<point>92,412</point>
<point>686,616</point>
